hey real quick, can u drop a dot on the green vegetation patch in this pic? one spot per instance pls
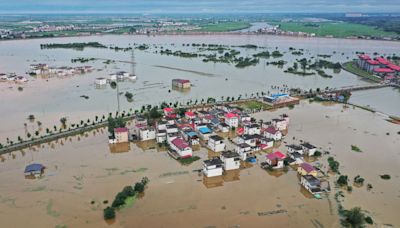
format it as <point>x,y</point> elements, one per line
<point>50,210</point>
<point>355,148</point>
<point>188,161</point>
<point>352,68</point>
<point>335,29</point>
<point>385,176</point>
<point>255,105</point>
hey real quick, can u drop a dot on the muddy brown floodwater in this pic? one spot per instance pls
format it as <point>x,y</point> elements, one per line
<point>83,169</point>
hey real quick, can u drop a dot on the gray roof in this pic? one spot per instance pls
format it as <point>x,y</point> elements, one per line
<point>229,154</point>
<point>312,180</point>
<point>308,146</point>
<point>216,138</point>
<point>213,161</point>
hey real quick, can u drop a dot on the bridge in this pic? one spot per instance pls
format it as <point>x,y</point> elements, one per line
<point>357,88</point>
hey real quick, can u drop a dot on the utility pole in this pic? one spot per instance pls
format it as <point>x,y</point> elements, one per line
<point>133,62</point>
<point>118,95</point>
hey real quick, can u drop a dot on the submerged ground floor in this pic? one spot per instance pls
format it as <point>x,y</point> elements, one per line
<point>83,171</point>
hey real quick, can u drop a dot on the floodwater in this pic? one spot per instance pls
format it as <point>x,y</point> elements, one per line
<point>82,169</point>
<point>384,100</point>
<point>54,98</point>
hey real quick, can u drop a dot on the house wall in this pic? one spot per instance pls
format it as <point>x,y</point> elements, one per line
<point>212,172</point>
<point>121,137</point>
<point>231,163</point>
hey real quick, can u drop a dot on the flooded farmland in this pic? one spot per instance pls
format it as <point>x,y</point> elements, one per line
<point>83,171</point>
<point>51,99</point>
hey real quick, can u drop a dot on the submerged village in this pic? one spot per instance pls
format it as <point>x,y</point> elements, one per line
<point>281,149</point>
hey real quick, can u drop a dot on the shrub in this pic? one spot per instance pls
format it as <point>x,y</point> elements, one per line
<point>334,165</point>
<point>358,180</point>
<point>355,148</point>
<point>119,200</point>
<point>353,217</point>
<point>342,181</point>
<point>317,154</point>
<point>385,176</point>
<point>109,213</point>
<point>369,220</point>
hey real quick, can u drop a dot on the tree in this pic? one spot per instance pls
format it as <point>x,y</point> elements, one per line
<point>342,180</point>
<point>31,117</point>
<point>109,213</point>
<point>353,218</point>
<point>119,200</point>
<point>63,121</point>
<point>28,135</point>
<point>154,113</point>
<point>129,191</point>
<point>139,187</point>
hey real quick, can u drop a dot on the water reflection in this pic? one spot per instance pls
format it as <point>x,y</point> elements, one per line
<point>119,147</point>
<point>212,182</point>
<point>231,175</point>
<point>146,145</point>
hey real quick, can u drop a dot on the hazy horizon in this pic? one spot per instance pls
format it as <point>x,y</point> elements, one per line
<point>202,6</point>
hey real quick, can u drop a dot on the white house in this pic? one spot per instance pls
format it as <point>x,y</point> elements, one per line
<point>161,136</point>
<point>311,183</point>
<point>266,143</point>
<point>243,149</point>
<point>147,133</point>
<point>295,158</point>
<point>232,120</point>
<point>205,133</point>
<point>231,160</point>
<point>281,123</point>
<point>276,160</point>
<point>181,147</point>
<point>292,148</point>
<point>100,81</point>
<point>273,133</point>
<point>245,118</point>
<point>223,127</point>
<point>213,167</point>
<point>216,143</point>
<point>309,149</point>
<point>249,139</point>
<point>252,129</point>
<point>172,128</point>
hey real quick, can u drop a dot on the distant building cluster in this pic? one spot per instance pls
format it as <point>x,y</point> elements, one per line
<point>44,69</point>
<point>379,66</point>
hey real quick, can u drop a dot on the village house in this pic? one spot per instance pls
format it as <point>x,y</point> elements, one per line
<point>147,133</point>
<point>172,128</point>
<point>276,160</point>
<point>244,118</point>
<point>190,136</point>
<point>308,149</point>
<point>181,83</point>
<point>216,143</point>
<point>295,158</point>
<point>292,148</point>
<point>249,139</point>
<point>311,184</point>
<point>273,133</point>
<point>181,147</point>
<point>100,81</point>
<point>35,170</point>
<point>223,127</point>
<point>244,150</point>
<point>252,129</point>
<point>167,111</point>
<point>213,167</point>
<point>280,100</point>
<point>121,135</point>
<point>161,136</point>
<point>190,115</point>
<point>281,123</point>
<point>204,133</point>
<point>307,169</point>
<point>231,120</point>
<point>231,160</point>
<point>266,143</point>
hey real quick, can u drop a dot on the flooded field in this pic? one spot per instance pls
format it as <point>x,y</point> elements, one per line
<point>83,171</point>
<point>51,99</point>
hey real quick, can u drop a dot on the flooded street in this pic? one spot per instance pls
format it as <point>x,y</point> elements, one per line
<point>51,99</point>
<point>83,171</point>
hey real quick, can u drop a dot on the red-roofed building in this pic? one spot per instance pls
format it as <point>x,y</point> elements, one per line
<point>394,67</point>
<point>181,147</point>
<point>273,133</point>
<point>370,65</point>
<point>190,115</point>
<point>276,159</point>
<point>362,61</point>
<point>383,71</point>
<point>383,61</point>
<point>121,135</point>
<point>232,119</point>
<point>307,169</point>
<point>168,111</point>
<point>181,83</point>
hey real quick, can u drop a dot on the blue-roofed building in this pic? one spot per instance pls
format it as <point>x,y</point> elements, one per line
<point>204,133</point>
<point>34,170</point>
